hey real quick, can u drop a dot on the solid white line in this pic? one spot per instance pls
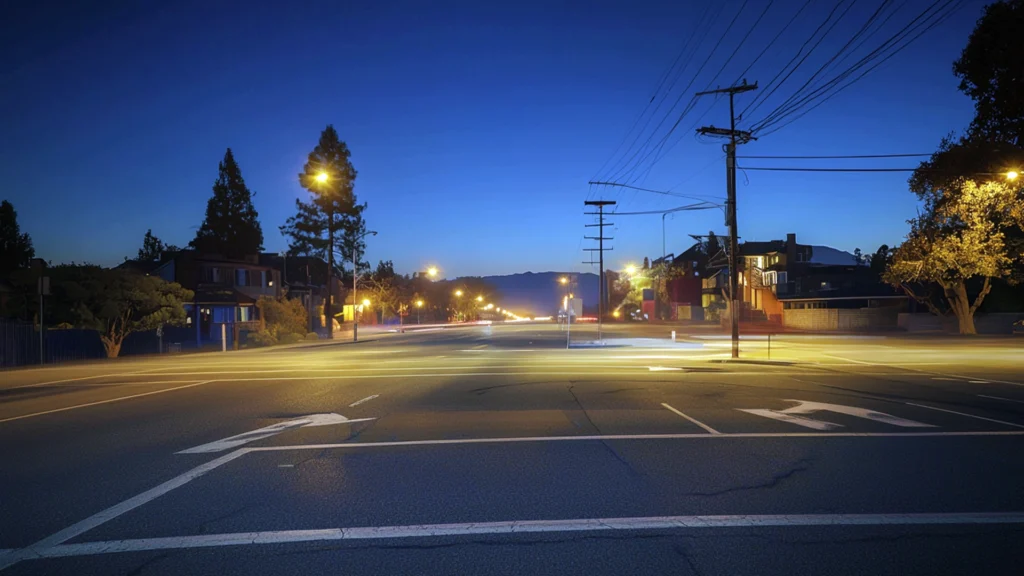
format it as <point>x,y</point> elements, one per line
<point>694,420</point>
<point>967,415</point>
<point>899,365</point>
<point>77,406</point>
<point>530,526</point>
<point>131,503</point>
<point>367,399</point>
<point>75,379</point>
<point>1004,399</point>
<point>627,437</point>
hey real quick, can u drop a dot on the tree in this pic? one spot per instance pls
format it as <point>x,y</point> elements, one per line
<point>331,224</point>
<point>989,69</point>
<point>115,302</point>
<point>16,250</point>
<point>959,244</point>
<point>880,260</point>
<point>153,248</point>
<point>231,226</point>
<point>858,258</point>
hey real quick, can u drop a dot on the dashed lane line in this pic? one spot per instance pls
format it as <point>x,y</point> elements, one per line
<point>1003,399</point>
<point>108,401</point>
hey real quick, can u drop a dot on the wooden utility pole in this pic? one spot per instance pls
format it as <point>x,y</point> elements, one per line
<point>735,137</point>
<point>602,298</point>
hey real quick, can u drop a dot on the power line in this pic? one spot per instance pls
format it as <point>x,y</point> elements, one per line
<point>927,20</point>
<point>802,169</point>
<point>625,168</point>
<point>851,156</point>
<point>658,88</point>
<point>676,194</point>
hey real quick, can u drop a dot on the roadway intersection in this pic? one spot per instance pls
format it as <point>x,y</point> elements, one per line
<point>497,450</point>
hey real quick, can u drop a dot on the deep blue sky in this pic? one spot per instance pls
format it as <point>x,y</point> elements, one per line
<point>474,126</point>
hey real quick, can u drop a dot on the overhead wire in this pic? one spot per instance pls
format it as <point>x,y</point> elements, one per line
<point>922,24</point>
<point>625,168</point>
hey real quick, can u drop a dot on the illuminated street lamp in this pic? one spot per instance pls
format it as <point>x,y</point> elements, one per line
<point>631,269</point>
<point>322,177</point>
<point>479,298</point>
<point>432,271</point>
<point>458,293</point>
<point>419,305</point>
<point>366,302</point>
<point>1012,175</point>
<point>563,280</point>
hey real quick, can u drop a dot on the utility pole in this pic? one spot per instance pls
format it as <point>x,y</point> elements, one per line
<point>602,298</point>
<point>735,137</point>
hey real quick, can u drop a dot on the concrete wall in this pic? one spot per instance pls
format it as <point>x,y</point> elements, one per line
<point>1001,323</point>
<point>840,319</point>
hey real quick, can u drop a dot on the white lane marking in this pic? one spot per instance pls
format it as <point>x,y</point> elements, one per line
<point>367,399</point>
<point>36,384</point>
<point>631,437</point>
<point>979,382</point>
<point>694,420</point>
<point>77,406</point>
<point>790,419</point>
<point>967,415</point>
<point>286,465</point>
<point>1003,399</point>
<point>790,415</point>
<point>905,366</point>
<point>663,369</point>
<point>946,379</point>
<point>130,504</point>
<point>272,430</point>
<point>530,526</point>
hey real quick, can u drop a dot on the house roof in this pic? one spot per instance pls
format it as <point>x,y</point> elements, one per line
<point>830,256</point>
<point>754,248</point>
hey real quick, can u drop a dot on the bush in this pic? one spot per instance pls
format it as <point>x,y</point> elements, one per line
<point>282,315</point>
<point>289,338</point>
<point>260,339</point>
<point>312,337</point>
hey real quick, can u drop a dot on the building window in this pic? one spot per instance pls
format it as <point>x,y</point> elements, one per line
<point>243,314</point>
<point>242,277</point>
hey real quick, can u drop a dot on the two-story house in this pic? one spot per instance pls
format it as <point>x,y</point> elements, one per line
<point>226,290</point>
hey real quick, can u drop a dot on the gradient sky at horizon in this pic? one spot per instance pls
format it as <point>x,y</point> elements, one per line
<point>474,126</point>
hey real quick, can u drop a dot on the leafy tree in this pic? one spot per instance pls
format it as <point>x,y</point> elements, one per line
<point>331,224</point>
<point>956,244</point>
<point>990,68</point>
<point>115,302</point>
<point>15,247</point>
<point>231,226</point>
<point>284,318</point>
<point>858,258</point>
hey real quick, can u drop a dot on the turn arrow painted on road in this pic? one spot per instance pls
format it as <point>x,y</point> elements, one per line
<point>273,429</point>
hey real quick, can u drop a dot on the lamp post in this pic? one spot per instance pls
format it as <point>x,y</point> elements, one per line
<point>419,306</point>
<point>355,279</point>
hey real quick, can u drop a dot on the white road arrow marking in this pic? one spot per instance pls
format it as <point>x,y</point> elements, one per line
<point>662,368</point>
<point>790,415</point>
<point>273,429</point>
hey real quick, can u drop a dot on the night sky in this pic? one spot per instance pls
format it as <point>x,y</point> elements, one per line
<point>474,126</point>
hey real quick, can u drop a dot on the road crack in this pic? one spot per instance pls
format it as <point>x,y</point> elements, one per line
<point>799,466</point>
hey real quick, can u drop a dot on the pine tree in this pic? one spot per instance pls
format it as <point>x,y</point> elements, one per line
<point>152,248</point>
<point>15,248</point>
<point>331,224</point>
<point>231,226</point>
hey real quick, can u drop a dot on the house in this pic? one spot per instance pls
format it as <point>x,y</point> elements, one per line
<point>305,278</point>
<point>226,290</point>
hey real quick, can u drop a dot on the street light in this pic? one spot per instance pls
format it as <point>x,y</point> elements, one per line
<point>458,293</point>
<point>322,177</point>
<point>631,269</point>
<point>1012,175</point>
<point>355,278</point>
<point>479,298</point>
<point>563,280</point>
<point>432,271</point>
<point>419,305</point>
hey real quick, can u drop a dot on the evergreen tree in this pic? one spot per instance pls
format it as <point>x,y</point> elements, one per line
<point>152,248</point>
<point>231,226</point>
<point>15,248</point>
<point>331,224</point>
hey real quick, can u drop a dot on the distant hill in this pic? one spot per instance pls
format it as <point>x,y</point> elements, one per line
<point>540,293</point>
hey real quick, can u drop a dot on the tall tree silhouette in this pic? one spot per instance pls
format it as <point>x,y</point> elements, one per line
<point>231,226</point>
<point>331,224</point>
<point>15,247</point>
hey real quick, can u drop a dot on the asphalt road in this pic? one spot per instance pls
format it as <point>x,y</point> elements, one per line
<point>497,450</point>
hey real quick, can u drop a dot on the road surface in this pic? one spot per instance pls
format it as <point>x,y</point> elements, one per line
<point>497,450</point>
